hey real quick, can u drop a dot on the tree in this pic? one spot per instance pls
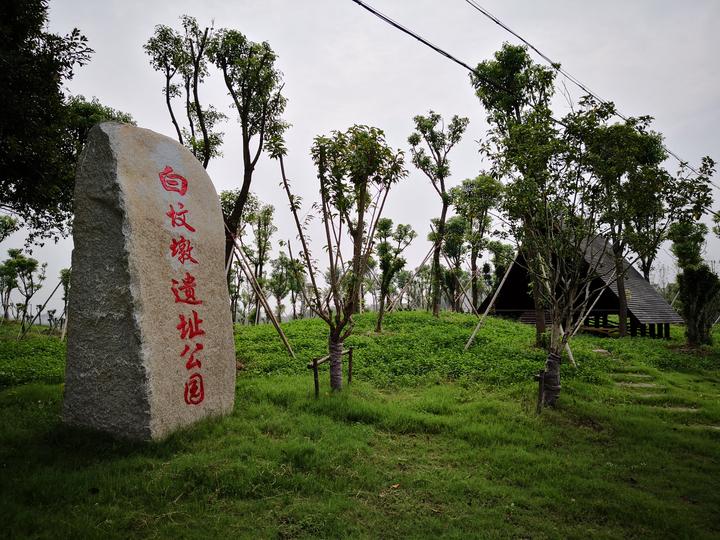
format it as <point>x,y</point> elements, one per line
<point>454,248</point>
<point>556,215</point>
<point>8,225</point>
<point>620,155</point>
<point>235,284</point>
<point>40,127</point>
<point>261,225</point>
<point>29,276</point>
<point>516,94</point>
<point>65,281</point>
<point>473,200</point>
<point>279,282</point>
<point>502,256</point>
<point>296,283</point>
<point>656,200</point>
<point>8,283</point>
<point>184,56</point>
<point>699,285</point>
<point>435,165</point>
<point>356,169</point>
<point>255,86</point>
<point>389,248</point>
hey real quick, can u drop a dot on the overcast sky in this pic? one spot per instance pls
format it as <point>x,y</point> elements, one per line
<point>343,66</point>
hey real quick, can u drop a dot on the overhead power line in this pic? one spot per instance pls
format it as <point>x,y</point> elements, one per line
<point>558,67</point>
<point>467,66</point>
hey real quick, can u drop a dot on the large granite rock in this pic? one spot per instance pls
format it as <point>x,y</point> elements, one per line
<point>150,345</point>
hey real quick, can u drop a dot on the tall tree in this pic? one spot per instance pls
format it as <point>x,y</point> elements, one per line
<point>8,283</point>
<point>8,225</point>
<point>620,155</point>
<point>279,282</point>
<point>434,163</point>
<point>255,86</point>
<point>699,285</point>
<point>389,248</point>
<point>262,227</point>
<point>516,94</point>
<point>557,217</point>
<point>656,200</point>
<point>356,169</point>
<point>38,123</point>
<point>29,277</point>
<point>454,248</point>
<point>182,58</point>
<point>473,200</point>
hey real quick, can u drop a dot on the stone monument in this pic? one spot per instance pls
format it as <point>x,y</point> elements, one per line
<point>150,343</point>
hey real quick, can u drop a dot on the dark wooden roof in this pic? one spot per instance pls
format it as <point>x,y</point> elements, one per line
<point>645,303</point>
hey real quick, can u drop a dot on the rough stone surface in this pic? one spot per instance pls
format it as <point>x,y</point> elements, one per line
<point>129,367</point>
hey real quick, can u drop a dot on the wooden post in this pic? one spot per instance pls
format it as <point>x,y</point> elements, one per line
<point>660,330</point>
<point>350,359</point>
<point>643,330</point>
<point>605,320</point>
<point>651,328</point>
<point>490,305</point>
<point>567,346</point>
<point>667,330</point>
<point>316,378</point>
<point>633,327</point>
<point>596,320</point>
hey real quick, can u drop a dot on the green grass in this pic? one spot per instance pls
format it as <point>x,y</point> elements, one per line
<point>427,441</point>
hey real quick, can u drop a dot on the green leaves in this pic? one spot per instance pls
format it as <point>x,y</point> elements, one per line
<point>439,140</point>
<point>350,163</point>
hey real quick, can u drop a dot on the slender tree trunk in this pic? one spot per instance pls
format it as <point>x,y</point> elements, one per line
<point>335,347</point>
<point>622,294</point>
<point>381,313</point>
<point>293,298</point>
<point>539,312</point>
<point>279,310</point>
<point>473,279</point>
<point>646,266</point>
<point>170,109</point>
<point>551,375</point>
<point>436,260</point>
<point>233,220</point>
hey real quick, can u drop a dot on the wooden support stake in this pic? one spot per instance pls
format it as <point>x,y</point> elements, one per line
<point>490,305</point>
<point>258,291</point>
<point>567,345</point>
<point>22,335</point>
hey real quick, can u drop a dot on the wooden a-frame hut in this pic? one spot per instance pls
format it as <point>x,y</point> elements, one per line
<point>648,312</point>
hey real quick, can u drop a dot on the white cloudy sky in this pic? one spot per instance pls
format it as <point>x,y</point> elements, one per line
<point>344,66</point>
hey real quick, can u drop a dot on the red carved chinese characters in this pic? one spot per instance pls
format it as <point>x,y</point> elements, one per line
<point>190,327</point>
<point>185,292</point>
<point>194,390</point>
<point>172,181</point>
<point>192,361</point>
<point>184,288</point>
<point>181,249</point>
<point>178,218</point>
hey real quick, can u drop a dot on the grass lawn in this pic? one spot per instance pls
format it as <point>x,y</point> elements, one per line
<point>427,441</point>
